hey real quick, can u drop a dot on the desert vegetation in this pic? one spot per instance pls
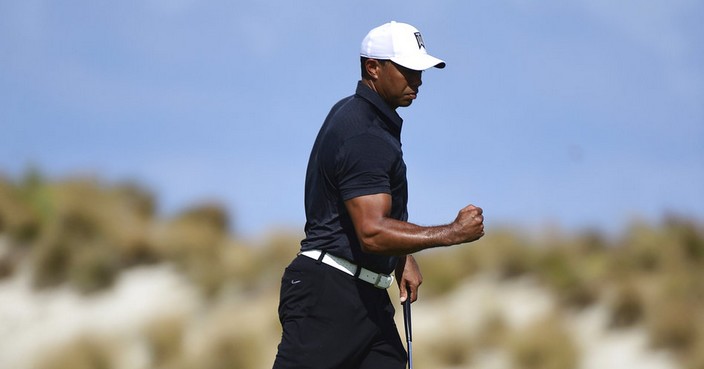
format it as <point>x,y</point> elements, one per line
<point>84,235</point>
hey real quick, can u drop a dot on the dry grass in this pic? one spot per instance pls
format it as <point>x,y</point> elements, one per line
<point>673,325</point>
<point>545,344</point>
<point>455,350</point>
<point>229,350</point>
<point>493,333</point>
<point>164,339</point>
<point>84,233</point>
<point>86,352</point>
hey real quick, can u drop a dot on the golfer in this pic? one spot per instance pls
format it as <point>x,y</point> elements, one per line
<point>334,308</point>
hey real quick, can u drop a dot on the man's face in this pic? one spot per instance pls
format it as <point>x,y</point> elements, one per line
<point>397,85</point>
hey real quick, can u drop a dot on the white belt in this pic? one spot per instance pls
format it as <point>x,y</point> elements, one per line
<point>378,280</point>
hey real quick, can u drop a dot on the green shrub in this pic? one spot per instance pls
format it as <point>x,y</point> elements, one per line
<point>627,307</point>
<point>50,263</point>
<point>93,268</point>
<point>18,219</point>
<point>561,272</point>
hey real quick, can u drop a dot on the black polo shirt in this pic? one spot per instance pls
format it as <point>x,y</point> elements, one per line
<point>357,152</point>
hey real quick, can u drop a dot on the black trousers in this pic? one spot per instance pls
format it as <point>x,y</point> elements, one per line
<point>332,320</point>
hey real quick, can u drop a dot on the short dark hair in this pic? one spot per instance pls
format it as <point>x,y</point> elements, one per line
<point>363,59</point>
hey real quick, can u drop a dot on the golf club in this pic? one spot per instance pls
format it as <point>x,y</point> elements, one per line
<point>407,326</point>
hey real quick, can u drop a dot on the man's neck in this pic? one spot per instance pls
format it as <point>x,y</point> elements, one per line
<point>371,85</point>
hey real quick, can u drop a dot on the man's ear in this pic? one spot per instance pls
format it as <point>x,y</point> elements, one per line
<point>372,66</point>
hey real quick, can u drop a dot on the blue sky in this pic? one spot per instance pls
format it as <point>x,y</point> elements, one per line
<point>585,113</point>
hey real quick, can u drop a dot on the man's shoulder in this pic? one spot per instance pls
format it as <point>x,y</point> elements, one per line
<point>353,109</point>
<point>352,103</point>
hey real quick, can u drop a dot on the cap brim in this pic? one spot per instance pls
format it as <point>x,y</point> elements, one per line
<point>419,62</point>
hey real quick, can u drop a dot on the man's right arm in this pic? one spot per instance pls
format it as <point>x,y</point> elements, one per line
<point>380,234</point>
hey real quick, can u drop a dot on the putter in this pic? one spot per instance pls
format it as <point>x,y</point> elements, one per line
<point>407,326</point>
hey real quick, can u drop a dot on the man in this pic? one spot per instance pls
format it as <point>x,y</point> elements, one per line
<point>334,309</point>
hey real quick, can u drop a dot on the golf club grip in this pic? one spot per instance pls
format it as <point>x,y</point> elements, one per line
<point>407,315</point>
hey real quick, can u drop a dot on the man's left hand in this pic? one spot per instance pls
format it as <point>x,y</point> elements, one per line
<point>408,276</point>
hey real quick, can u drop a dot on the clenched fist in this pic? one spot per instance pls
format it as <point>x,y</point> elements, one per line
<point>469,224</point>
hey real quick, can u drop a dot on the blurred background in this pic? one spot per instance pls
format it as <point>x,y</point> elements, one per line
<point>152,157</point>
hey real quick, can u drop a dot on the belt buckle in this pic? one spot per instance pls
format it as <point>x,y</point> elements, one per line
<point>383,281</point>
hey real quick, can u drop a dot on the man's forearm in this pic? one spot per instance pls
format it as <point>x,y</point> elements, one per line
<point>394,237</point>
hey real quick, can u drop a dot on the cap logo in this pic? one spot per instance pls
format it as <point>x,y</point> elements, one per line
<point>419,39</point>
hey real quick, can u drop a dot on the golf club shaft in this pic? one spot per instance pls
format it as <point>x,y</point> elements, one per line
<point>407,326</point>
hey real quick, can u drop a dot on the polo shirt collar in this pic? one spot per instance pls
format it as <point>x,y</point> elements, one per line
<point>392,118</point>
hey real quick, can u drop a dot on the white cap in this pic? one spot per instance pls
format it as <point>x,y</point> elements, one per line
<point>402,44</point>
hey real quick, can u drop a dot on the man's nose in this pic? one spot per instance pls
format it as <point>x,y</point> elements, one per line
<point>415,80</point>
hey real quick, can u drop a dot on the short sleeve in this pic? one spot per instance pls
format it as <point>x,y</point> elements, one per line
<point>363,166</point>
